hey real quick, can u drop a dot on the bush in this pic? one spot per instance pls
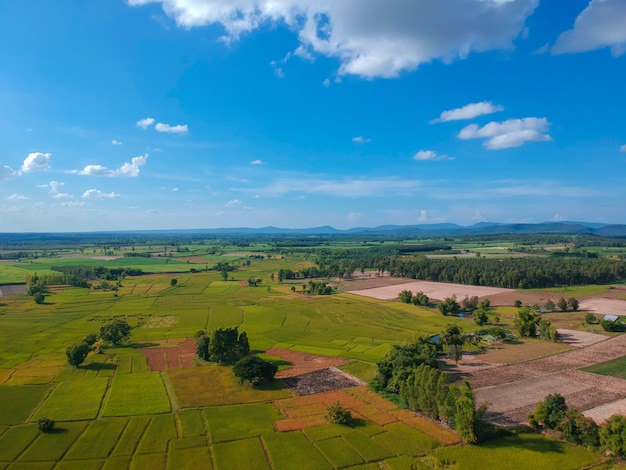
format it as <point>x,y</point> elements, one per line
<point>39,298</point>
<point>45,424</point>
<point>254,369</point>
<point>591,319</point>
<point>76,353</point>
<point>337,414</point>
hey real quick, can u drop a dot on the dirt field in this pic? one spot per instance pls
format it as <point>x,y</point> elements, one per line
<point>580,339</point>
<point>171,357</point>
<point>434,290</point>
<point>17,289</point>
<point>601,413</point>
<point>603,305</point>
<point>302,363</point>
<point>513,391</point>
<point>326,380</point>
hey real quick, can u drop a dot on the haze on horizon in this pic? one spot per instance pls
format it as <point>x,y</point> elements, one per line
<point>175,114</point>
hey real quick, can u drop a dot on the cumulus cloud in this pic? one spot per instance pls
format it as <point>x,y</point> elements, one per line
<point>6,172</point>
<point>256,162</point>
<point>177,129</point>
<point>36,161</point>
<point>599,25</point>
<point>510,133</point>
<point>55,190</point>
<point>326,82</point>
<point>130,170</point>
<point>17,197</point>
<point>115,142</point>
<point>622,149</point>
<point>145,123</point>
<point>425,155</point>
<point>469,111</point>
<point>361,140</point>
<point>233,203</point>
<point>97,194</point>
<point>369,37</point>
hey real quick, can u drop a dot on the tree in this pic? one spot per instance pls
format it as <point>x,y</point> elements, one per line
<point>337,414</point>
<point>613,435</point>
<point>452,337</point>
<point>549,306</point>
<point>39,298</point>
<point>550,412</point>
<point>421,299</point>
<point>202,347</point>
<point>115,332</point>
<point>243,345</point>
<point>224,275</point>
<point>254,369</point>
<point>465,417</point>
<point>45,424</point>
<point>449,306</point>
<point>470,304</point>
<point>590,318</point>
<point>227,345</point>
<point>562,304</point>
<point>90,339</point>
<point>406,296</point>
<point>526,323</point>
<point>480,317</point>
<point>573,303</point>
<point>173,282</point>
<point>517,304</point>
<point>77,353</point>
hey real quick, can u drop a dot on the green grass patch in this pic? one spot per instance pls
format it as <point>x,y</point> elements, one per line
<point>190,423</point>
<point>131,435</point>
<point>228,423</point>
<point>151,461</point>
<point>366,448</point>
<point>160,431</point>
<point>137,394</point>
<point>247,453</point>
<point>614,368</point>
<point>418,439</point>
<point>575,291</point>
<point>212,384</point>
<point>52,446</point>
<point>115,463</point>
<point>84,465</point>
<point>396,444</point>
<point>328,431</point>
<point>31,466</point>
<point>338,452</point>
<point>362,370</point>
<point>288,447</point>
<point>18,402</point>
<point>16,439</point>
<point>75,400</point>
<point>192,458</point>
<point>98,440</point>
<point>521,451</point>
<point>188,443</point>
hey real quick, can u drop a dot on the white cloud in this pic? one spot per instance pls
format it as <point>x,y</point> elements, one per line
<point>17,197</point>
<point>425,155</point>
<point>97,194</point>
<point>326,82</point>
<point>622,148</point>
<point>174,190</point>
<point>6,172</point>
<point>469,111</point>
<point>361,140</point>
<point>62,196</point>
<point>280,73</point>
<point>233,203</point>
<point>256,162</point>
<point>130,170</point>
<point>370,38</point>
<point>510,133</point>
<point>115,142</point>
<point>73,204</point>
<point>601,24</point>
<point>303,53</point>
<point>36,161</point>
<point>177,129</point>
<point>55,188</point>
<point>145,123</point>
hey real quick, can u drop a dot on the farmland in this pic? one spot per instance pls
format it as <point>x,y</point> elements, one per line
<point>154,406</point>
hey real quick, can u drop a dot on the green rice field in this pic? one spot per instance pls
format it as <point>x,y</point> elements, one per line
<point>113,412</point>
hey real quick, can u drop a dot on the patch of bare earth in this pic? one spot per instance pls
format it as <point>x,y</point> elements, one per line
<point>434,290</point>
<point>179,353</point>
<point>302,363</point>
<point>603,305</point>
<point>513,391</point>
<point>326,380</point>
<point>580,339</point>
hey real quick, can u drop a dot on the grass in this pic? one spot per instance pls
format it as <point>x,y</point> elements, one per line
<point>15,440</point>
<point>227,423</point>
<point>17,403</point>
<point>614,368</point>
<point>362,370</point>
<point>137,394</point>
<point>160,431</point>
<point>98,440</point>
<point>338,452</point>
<point>576,291</point>
<point>52,446</point>
<point>247,453</point>
<point>212,384</point>
<point>130,437</point>
<point>522,451</point>
<point>289,447</point>
<point>76,400</point>
<point>190,423</point>
<point>189,459</point>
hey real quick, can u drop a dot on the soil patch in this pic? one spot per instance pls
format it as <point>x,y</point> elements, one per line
<point>100,258</point>
<point>171,357</point>
<point>302,363</point>
<point>434,290</point>
<point>601,413</point>
<point>603,305</point>
<point>326,380</point>
<point>580,339</point>
<point>15,289</point>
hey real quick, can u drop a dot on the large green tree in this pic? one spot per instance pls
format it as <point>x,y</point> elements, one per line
<point>227,345</point>
<point>115,332</point>
<point>254,369</point>
<point>77,353</point>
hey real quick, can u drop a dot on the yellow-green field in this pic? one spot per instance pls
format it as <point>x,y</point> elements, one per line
<point>113,412</point>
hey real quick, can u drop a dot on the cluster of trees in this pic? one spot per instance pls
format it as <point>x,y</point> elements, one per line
<point>412,372</point>
<point>114,333</point>
<point>37,288</point>
<point>531,325</point>
<point>224,345</point>
<point>553,413</point>
<point>420,298</point>
<point>617,325</point>
<point>254,369</point>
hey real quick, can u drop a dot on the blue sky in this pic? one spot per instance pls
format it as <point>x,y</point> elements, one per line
<point>160,114</point>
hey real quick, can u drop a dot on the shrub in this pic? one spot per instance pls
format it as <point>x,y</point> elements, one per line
<point>590,319</point>
<point>45,424</point>
<point>337,414</point>
<point>39,298</point>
